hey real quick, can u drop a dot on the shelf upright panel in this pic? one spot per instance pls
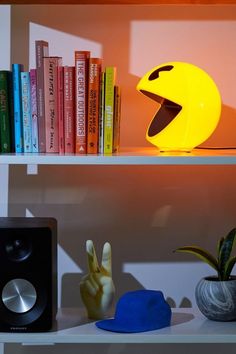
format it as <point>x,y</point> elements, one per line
<point>4,188</point>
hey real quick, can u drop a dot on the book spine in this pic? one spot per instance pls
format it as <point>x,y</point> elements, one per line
<point>34,112</point>
<point>60,110</point>
<point>101,112</point>
<point>95,65</point>
<point>41,50</point>
<point>11,110</point>
<point>26,111</point>
<point>81,85</point>
<point>18,125</point>
<point>110,77</point>
<point>5,145</point>
<point>51,104</point>
<point>116,120</point>
<point>69,109</point>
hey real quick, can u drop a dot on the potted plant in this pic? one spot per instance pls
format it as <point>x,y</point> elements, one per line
<point>216,295</point>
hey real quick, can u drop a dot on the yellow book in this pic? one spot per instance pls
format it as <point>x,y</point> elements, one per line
<point>110,78</point>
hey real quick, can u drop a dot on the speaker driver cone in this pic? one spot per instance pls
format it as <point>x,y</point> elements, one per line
<point>18,249</point>
<point>19,295</point>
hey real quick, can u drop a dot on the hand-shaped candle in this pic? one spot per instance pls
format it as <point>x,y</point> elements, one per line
<point>97,288</point>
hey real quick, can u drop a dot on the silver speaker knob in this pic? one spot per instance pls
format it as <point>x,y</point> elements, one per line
<point>19,295</point>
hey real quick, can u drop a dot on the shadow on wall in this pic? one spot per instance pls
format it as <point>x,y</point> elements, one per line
<point>144,211</point>
<point>70,287</point>
<point>70,294</point>
<point>121,204</point>
<point>135,51</point>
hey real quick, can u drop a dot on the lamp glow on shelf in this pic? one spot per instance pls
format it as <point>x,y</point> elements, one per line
<point>189,106</point>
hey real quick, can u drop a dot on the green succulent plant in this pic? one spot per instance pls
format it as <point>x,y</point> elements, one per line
<point>223,263</point>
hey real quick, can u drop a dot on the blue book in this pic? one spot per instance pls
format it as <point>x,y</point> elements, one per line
<point>18,123</point>
<point>26,111</point>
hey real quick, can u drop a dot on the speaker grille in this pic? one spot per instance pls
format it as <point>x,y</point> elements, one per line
<point>28,274</point>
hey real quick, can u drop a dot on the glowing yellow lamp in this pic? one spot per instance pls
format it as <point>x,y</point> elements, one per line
<point>189,105</point>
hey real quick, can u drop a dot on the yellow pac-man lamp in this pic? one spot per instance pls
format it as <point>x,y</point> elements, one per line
<point>189,105</point>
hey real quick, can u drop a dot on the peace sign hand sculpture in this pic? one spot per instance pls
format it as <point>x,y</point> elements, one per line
<point>97,287</point>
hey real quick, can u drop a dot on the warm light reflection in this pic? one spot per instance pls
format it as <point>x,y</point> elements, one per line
<point>161,216</point>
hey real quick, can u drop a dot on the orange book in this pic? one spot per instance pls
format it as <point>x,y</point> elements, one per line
<point>81,100</point>
<point>95,65</point>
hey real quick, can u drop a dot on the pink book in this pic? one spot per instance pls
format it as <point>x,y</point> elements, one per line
<point>41,50</point>
<point>34,111</point>
<point>51,103</point>
<point>69,109</point>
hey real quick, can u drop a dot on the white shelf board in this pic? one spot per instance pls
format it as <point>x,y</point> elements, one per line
<point>188,326</point>
<point>139,156</point>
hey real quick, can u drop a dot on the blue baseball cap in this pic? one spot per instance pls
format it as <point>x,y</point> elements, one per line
<point>139,311</point>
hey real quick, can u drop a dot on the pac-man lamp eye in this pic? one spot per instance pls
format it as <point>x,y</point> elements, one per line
<point>189,105</point>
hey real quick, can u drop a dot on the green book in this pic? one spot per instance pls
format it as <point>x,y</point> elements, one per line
<point>5,141</point>
<point>110,78</point>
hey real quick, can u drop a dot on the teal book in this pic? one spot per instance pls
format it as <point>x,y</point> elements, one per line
<point>26,111</point>
<point>5,142</point>
<point>17,103</point>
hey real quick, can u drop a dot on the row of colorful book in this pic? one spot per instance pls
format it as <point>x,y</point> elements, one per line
<point>60,109</point>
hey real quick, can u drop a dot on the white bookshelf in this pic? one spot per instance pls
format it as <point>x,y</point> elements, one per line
<point>138,156</point>
<point>188,326</point>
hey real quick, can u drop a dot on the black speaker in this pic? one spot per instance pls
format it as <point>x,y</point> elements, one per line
<point>28,274</point>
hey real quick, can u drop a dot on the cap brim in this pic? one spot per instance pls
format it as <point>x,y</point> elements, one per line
<point>113,326</point>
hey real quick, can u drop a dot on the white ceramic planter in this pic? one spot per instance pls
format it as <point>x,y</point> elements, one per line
<point>217,299</point>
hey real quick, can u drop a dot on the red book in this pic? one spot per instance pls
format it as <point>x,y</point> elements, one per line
<point>69,109</point>
<point>41,50</point>
<point>81,87</point>
<point>51,65</point>
<point>95,66</point>
<point>60,109</point>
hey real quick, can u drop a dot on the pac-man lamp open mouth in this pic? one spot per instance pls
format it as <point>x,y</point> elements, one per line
<point>189,105</point>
